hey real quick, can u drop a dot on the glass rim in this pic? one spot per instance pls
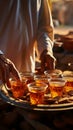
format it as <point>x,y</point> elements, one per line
<point>37,85</point>
<point>56,71</point>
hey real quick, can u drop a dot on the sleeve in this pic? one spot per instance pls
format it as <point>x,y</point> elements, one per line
<point>45,29</point>
<point>1,53</point>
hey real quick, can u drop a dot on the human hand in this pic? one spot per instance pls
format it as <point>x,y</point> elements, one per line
<point>7,68</point>
<point>47,61</point>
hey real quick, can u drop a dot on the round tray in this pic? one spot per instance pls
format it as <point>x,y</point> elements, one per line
<point>23,103</point>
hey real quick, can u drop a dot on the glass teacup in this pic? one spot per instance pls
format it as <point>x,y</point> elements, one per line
<point>37,91</point>
<point>43,78</point>
<point>57,87</point>
<point>69,83</point>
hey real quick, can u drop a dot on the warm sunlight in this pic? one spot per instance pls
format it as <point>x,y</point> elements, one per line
<point>62,12</point>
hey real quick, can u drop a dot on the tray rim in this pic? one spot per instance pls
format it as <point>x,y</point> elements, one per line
<point>41,107</point>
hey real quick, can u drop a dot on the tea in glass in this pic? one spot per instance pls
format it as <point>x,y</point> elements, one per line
<point>18,88</point>
<point>56,87</point>
<point>37,91</point>
<point>28,75</point>
<point>56,73</point>
<point>42,78</point>
<point>69,83</point>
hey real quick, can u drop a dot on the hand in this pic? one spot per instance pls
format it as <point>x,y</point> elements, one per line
<point>47,61</point>
<point>7,68</point>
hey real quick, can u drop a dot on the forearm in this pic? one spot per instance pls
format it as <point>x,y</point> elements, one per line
<point>45,43</point>
<point>45,35</point>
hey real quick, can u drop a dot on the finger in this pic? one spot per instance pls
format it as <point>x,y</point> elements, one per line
<point>50,65</point>
<point>50,62</point>
<point>4,66</point>
<point>7,75</point>
<point>2,75</point>
<point>42,65</point>
<point>2,70</point>
<point>14,71</point>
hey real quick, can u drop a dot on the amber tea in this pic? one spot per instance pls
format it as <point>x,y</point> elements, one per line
<point>56,87</point>
<point>37,91</point>
<point>28,75</point>
<point>42,78</point>
<point>69,83</point>
<point>18,88</point>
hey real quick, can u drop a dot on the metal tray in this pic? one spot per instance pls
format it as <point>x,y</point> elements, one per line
<point>25,104</point>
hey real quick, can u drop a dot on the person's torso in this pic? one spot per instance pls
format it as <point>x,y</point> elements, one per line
<point>18,28</point>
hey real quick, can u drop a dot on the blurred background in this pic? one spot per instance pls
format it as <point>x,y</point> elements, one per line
<point>62,14</point>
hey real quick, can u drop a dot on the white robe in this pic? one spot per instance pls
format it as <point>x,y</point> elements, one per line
<point>22,24</point>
